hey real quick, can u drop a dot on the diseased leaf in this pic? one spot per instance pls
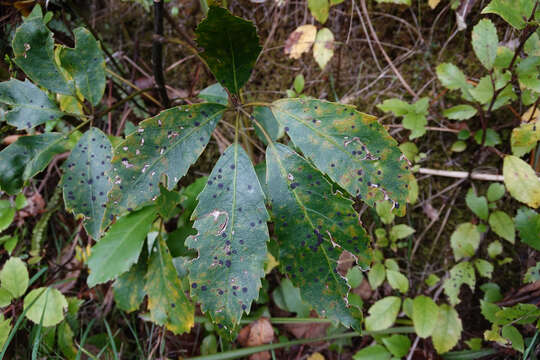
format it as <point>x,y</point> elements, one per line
<point>528,224</point>
<point>29,105</point>
<point>460,112</point>
<point>314,226</point>
<point>300,41</point>
<point>33,47</point>
<point>319,9</point>
<point>14,277</point>
<point>231,240</point>
<point>525,137</point>
<point>45,306</point>
<point>86,65</point>
<point>485,42</point>
<point>129,287</point>
<point>166,144</point>
<point>323,49</point>
<point>502,225</point>
<point>465,240</point>
<point>383,313</point>
<point>521,181</point>
<point>352,148</point>
<point>114,254</point>
<point>424,311</point>
<point>215,93</point>
<point>26,157</point>
<point>462,273</point>
<point>229,58</point>
<point>167,301</point>
<point>86,179</point>
<point>527,72</point>
<point>447,330</point>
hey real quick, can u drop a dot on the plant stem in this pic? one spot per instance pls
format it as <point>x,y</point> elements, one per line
<point>125,81</point>
<point>157,53</point>
<point>277,320</point>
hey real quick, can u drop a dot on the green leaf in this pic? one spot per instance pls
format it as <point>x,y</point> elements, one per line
<point>532,274</point>
<point>298,83</point>
<point>5,329</point>
<point>432,279</point>
<point>398,2</point>
<point>397,281</point>
<point>513,12</point>
<point>266,118</point>
<point>483,91</point>
<point>492,137</point>
<point>502,225</point>
<point>352,148</point>
<point>323,48</point>
<point>319,9</point>
<point>484,268</point>
<point>29,105</point>
<point>409,149</point>
<point>86,65</point>
<point>314,226</point>
<point>459,146</point>
<point>398,107</point>
<point>86,182</point>
<point>495,192</point>
<point>374,352</point>
<point>525,137</point>
<point>231,241</point>
<point>129,287</point>
<point>7,214</point>
<point>447,330</point>
<point>384,210</point>
<point>5,297</point>
<point>495,249</point>
<point>383,313</point>
<point>65,341</point>
<point>465,240</point>
<point>423,313</point>
<point>398,345</point>
<point>527,72</point>
<point>462,273</point>
<point>528,224</point>
<point>401,231</point>
<point>166,144</point>
<point>485,42</point>
<point>512,334</point>
<point>414,116</point>
<point>452,78</point>
<point>460,112</point>
<point>45,306</point>
<point>376,275</point>
<point>26,157</point>
<point>14,277</point>
<point>477,204</point>
<point>167,301</point>
<point>33,47</point>
<point>231,47</point>
<point>287,297</point>
<point>114,254</point>
<point>521,181</point>
<point>215,93</point>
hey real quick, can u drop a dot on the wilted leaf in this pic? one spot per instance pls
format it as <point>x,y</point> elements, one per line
<point>323,49</point>
<point>300,41</point>
<point>45,306</point>
<point>521,181</point>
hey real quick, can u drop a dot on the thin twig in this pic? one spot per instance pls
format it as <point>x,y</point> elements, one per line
<point>157,53</point>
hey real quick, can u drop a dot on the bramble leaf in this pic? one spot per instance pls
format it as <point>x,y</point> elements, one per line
<point>314,226</point>
<point>521,181</point>
<point>30,106</point>
<point>167,301</point>
<point>33,47</point>
<point>166,144</point>
<point>26,157</point>
<point>86,64</point>
<point>352,148</point>
<point>231,240</point>
<point>231,47</point>
<point>86,182</point>
<point>120,247</point>
<point>485,42</point>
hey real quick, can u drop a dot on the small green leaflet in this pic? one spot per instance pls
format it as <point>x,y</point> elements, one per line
<point>86,64</point>
<point>231,47</point>
<point>166,144</point>
<point>314,226</point>
<point>352,148</point>
<point>26,157</point>
<point>414,115</point>
<point>114,254</point>
<point>447,330</point>
<point>167,302</point>
<point>266,118</point>
<point>86,181</point>
<point>424,310</point>
<point>33,47</point>
<point>231,240</point>
<point>528,224</point>
<point>30,106</point>
<point>45,306</point>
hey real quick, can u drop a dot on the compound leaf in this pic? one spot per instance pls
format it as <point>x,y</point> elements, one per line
<point>231,47</point>
<point>352,148</point>
<point>166,144</point>
<point>167,301</point>
<point>45,306</point>
<point>314,226</point>
<point>120,247</point>
<point>86,64</point>
<point>26,157</point>
<point>30,106</point>
<point>86,181</point>
<point>33,47</point>
<point>231,240</point>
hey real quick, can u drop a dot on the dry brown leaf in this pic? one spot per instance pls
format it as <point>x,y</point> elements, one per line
<point>300,41</point>
<point>308,331</point>
<point>257,333</point>
<point>529,114</point>
<point>363,290</point>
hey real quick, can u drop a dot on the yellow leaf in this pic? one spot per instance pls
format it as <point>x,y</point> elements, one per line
<point>300,41</point>
<point>315,356</point>
<point>323,50</point>
<point>521,181</point>
<point>433,3</point>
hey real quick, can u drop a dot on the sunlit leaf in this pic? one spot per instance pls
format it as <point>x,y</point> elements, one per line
<point>300,41</point>
<point>45,306</point>
<point>383,313</point>
<point>462,273</point>
<point>521,181</point>
<point>14,277</point>
<point>485,42</point>
<point>465,240</point>
<point>424,311</point>
<point>447,330</point>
